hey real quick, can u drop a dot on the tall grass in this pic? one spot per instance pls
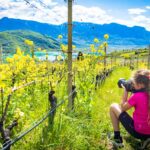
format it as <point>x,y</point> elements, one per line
<point>86,127</point>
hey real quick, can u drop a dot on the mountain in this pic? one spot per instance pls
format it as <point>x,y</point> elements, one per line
<point>12,39</point>
<point>84,33</point>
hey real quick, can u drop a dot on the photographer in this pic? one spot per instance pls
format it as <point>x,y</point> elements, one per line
<point>139,125</point>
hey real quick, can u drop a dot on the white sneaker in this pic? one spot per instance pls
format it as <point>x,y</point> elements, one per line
<point>117,144</point>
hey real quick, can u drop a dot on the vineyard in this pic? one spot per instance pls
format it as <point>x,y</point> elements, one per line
<point>34,102</point>
<point>58,77</point>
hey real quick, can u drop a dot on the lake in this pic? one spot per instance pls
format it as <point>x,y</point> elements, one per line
<point>52,56</point>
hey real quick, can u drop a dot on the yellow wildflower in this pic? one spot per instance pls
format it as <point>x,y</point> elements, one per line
<point>59,57</point>
<point>96,40</point>
<point>60,36</point>
<point>106,36</point>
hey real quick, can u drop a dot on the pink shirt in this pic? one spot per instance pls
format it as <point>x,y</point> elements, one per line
<point>139,101</point>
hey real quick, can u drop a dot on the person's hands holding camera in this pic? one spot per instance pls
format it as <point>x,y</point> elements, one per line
<point>125,94</point>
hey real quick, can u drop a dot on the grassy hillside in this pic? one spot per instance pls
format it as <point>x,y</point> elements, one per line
<point>10,40</point>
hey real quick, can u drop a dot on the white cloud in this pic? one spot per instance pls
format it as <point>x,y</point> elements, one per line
<point>129,23</point>
<point>136,11</point>
<point>92,14</point>
<point>47,12</point>
<point>142,20</point>
<point>55,13</point>
<point>48,2</point>
<point>147,7</point>
<point>139,20</point>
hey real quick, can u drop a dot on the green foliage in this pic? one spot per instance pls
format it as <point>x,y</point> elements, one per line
<point>130,53</point>
<point>79,129</point>
<point>13,39</point>
<point>85,127</point>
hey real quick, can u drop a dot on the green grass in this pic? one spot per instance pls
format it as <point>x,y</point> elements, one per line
<point>88,130</point>
<point>108,94</point>
<point>86,127</point>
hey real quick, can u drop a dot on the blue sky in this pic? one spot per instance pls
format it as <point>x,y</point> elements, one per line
<point>114,3</point>
<point>127,12</point>
<point>119,7</point>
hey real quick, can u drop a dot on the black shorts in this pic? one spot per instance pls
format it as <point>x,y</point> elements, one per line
<point>128,123</point>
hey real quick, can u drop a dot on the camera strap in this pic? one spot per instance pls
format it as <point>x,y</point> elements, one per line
<point>140,90</point>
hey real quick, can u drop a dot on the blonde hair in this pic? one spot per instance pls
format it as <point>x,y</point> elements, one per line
<point>142,76</point>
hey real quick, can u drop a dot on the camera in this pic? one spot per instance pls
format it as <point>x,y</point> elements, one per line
<point>127,84</point>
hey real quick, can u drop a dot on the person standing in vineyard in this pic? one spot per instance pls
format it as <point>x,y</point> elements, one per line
<point>139,125</point>
<point>80,56</point>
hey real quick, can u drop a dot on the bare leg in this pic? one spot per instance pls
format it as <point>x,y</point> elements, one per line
<point>115,111</point>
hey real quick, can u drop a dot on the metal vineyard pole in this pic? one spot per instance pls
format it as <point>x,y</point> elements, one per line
<point>69,53</point>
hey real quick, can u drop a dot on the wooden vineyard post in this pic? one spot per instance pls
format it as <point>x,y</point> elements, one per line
<point>32,51</point>
<point>137,59</point>
<point>148,66</point>
<point>69,54</point>
<point>111,61</point>
<point>2,99</point>
<point>115,60</point>
<point>105,58</point>
<point>1,55</point>
<point>124,63</point>
<point>130,61</point>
